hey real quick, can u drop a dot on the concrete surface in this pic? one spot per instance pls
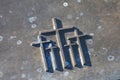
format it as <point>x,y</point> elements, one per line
<point>20,21</point>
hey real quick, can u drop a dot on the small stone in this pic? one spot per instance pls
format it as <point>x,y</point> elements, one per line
<point>90,41</point>
<point>32,19</point>
<point>77,18</point>
<point>1,74</point>
<point>23,75</point>
<point>108,14</point>
<point>39,70</point>
<point>1,38</point>
<point>1,16</point>
<point>94,55</point>
<point>81,13</point>
<point>12,37</point>
<point>46,76</point>
<point>99,27</point>
<point>66,73</point>
<point>111,58</point>
<point>22,68</point>
<point>69,16</point>
<point>102,71</point>
<point>30,79</point>
<point>106,0</point>
<point>79,1</point>
<point>118,58</point>
<point>33,8</point>
<point>91,50</point>
<point>91,34</point>
<point>25,62</point>
<point>65,4</point>
<point>33,26</point>
<point>13,77</point>
<point>103,51</point>
<point>19,42</point>
<point>53,79</point>
<point>10,12</point>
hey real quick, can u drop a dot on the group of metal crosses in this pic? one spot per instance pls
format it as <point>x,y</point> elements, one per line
<point>61,41</point>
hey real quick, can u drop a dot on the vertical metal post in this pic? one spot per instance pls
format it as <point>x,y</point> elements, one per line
<point>53,59</point>
<point>71,54</point>
<point>42,53</point>
<point>62,57</point>
<point>83,62</point>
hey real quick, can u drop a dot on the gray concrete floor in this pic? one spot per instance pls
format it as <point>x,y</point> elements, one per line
<point>20,21</point>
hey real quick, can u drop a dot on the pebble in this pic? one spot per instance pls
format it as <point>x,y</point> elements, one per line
<point>65,4</point>
<point>103,51</point>
<point>13,77</point>
<point>32,19</point>
<point>19,42</point>
<point>33,26</point>
<point>1,74</point>
<point>10,12</point>
<point>108,14</point>
<point>66,73</point>
<point>77,18</point>
<point>90,41</point>
<point>22,68</point>
<point>102,71</point>
<point>1,16</point>
<point>1,38</point>
<point>23,75</point>
<point>118,58</point>
<point>91,34</point>
<point>106,0</point>
<point>12,37</point>
<point>99,27</point>
<point>30,79</point>
<point>53,79</point>
<point>33,8</point>
<point>69,16</point>
<point>39,70</point>
<point>111,58</point>
<point>25,62</point>
<point>81,13</point>
<point>46,76</point>
<point>79,1</point>
<point>91,50</point>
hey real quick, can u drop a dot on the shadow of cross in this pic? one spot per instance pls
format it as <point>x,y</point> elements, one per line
<point>46,44</point>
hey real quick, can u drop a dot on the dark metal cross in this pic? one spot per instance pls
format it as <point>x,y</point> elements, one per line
<point>56,31</point>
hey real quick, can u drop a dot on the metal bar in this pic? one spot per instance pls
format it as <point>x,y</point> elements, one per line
<point>62,57</point>
<point>53,59</point>
<point>68,44</point>
<point>74,37</point>
<point>72,54</point>
<point>83,62</point>
<point>54,24</point>
<point>43,55</point>
<point>53,31</point>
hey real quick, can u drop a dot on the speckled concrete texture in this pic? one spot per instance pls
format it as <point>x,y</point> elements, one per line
<point>20,21</point>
